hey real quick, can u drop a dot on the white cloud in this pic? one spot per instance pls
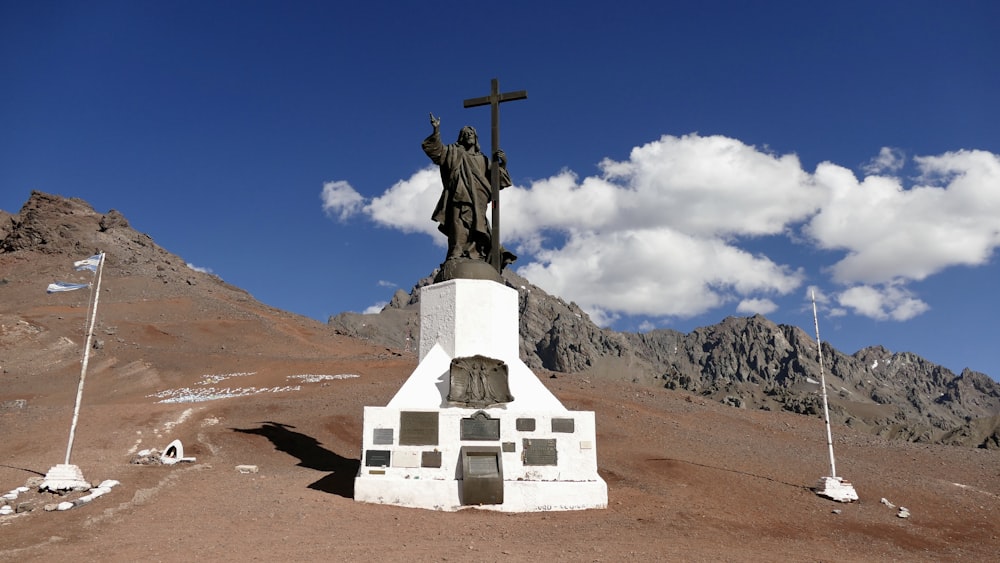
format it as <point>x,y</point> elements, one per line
<point>384,283</point>
<point>889,160</point>
<point>340,200</point>
<point>892,234</point>
<point>375,308</point>
<point>882,303</point>
<point>664,233</point>
<point>824,302</point>
<point>409,204</point>
<point>199,268</point>
<point>754,306</point>
<point>657,272</point>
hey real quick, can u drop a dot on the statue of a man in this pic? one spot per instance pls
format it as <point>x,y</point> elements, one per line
<point>461,210</point>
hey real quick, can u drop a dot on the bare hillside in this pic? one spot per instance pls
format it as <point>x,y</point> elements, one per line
<point>182,355</point>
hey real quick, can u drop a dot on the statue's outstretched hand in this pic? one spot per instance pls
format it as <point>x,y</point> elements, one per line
<point>500,157</point>
<point>435,122</point>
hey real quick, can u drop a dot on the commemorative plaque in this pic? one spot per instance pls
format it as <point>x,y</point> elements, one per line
<point>377,458</point>
<point>430,459</point>
<point>478,381</point>
<point>480,427</point>
<point>563,425</point>
<point>382,436</point>
<point>525,424</point>
<point>539,451</point>
<point>418,428</point>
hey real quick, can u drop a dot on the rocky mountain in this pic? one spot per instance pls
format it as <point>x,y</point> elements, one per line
<point>745,362</point>
<point>748,363</point>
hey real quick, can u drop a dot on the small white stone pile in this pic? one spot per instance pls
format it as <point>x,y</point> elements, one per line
<point>11,495</point>
<point>100,490</point>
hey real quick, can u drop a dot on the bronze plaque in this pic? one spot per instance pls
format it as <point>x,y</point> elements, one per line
<point>563,425</point>
<point>539,451</point>
<point>508,447</point>
<point>418,428</point>
<point>525,424</point>
<point>382,436</point>
<point>430,459</point>
<point>478,381</point>
<point>482,475</point>
<point>480,427</point>
<point>377,458</point>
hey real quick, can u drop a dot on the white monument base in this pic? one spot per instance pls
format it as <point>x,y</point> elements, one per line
<point>526,455</point>
<point>836,488</point>
<point>64,477</point>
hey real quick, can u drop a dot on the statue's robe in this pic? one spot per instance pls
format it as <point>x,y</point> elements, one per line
<point>465,175</point>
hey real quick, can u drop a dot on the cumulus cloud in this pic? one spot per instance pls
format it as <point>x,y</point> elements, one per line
<point>199,268</point>
<point>882,303</point>
<point>889,161</point>
<point>666,232</point>
<point>340,200</point>
<point>375,308</point>
<point>409,204</point>
<point>755,306</point>
<point>891,233</point>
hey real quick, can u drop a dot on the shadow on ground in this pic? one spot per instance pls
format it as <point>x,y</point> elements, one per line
<point>311,454</point>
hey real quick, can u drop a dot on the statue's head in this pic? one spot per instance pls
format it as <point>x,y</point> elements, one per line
<point>468,138</point>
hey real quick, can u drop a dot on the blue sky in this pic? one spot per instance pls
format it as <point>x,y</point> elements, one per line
<point>674,163</point>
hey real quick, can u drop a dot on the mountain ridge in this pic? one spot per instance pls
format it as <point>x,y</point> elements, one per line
<point>744,362</point>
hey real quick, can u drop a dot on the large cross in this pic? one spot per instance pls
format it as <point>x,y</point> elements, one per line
<point>494,100</point>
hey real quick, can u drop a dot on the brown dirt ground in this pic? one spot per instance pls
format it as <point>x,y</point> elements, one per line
<point>688,479</point>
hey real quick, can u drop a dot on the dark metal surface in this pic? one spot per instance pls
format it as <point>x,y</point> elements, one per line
<point>525,424</point>
<point>430,459</point>
<point>563,425</point>
<point>418,428</point>
<point>540,451</point>
<point>494,100</point>
<point>377,458</point>
<point>382,436</point>
<point>480,427</point>
<point>478,381</point>
<point>482,475</point>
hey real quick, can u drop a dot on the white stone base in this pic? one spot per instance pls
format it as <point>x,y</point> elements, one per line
<point>546,454</point>
<point>519,496</point>
<point>836,488</point>
<point>64,477</point>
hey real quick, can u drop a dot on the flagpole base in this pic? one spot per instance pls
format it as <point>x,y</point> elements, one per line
<point>64,477</point>
<point>836,488</point>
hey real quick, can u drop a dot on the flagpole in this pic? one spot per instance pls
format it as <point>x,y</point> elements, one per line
<point>92,312</point>
<point>822,380</point>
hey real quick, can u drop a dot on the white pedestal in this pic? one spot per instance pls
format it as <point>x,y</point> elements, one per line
<point>413,448</point>
<point>64,477</point>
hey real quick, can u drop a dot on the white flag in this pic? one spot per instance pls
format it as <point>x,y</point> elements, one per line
<point>88,263</point>
<point>65,286</point>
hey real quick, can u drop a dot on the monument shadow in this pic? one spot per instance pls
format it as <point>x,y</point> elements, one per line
<point>312,455</point>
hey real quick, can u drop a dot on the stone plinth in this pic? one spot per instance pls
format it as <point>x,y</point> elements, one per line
<point>532,452</point>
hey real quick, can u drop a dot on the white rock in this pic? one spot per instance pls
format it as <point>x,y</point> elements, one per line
<point>6,509</point>
<point>108,484</point>
<point>903,512</point>
<point>22,489</point>
<point>10,496</point>
<point>64,506</point>
<point>886,502</point>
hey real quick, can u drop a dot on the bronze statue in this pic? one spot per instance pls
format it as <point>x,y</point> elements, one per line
<point>461,209</point>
